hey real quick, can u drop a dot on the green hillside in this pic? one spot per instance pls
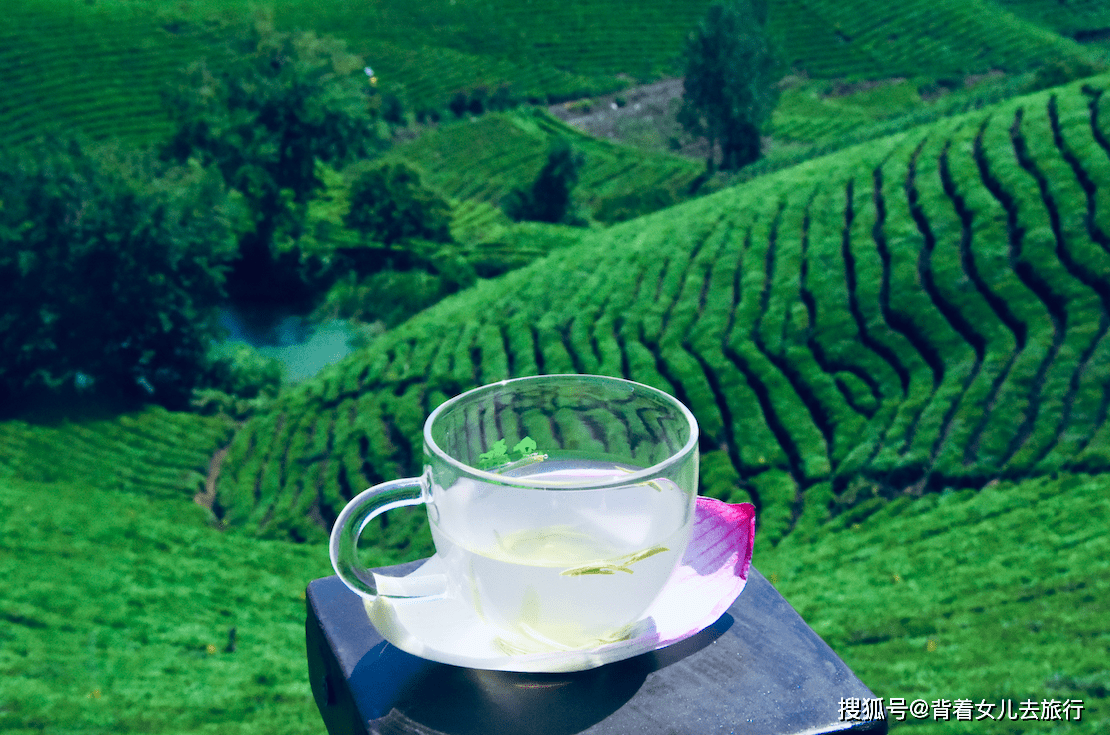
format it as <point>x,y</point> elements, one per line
<point>899,352</point>
<point>870,39</point>
<point>151,452</point>
<point>118,609</point>
<point>479,162</point>
<point>923,312</point>
<point>988,596</point>
<point>1079,19</point>
<point>98,67</point>
<point>118,612</point>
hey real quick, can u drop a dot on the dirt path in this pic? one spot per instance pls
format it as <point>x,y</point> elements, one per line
<point>646,119</point>
<point>207,497</point>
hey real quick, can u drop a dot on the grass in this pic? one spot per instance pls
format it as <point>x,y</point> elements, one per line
<point>990,595</point>
<point>118,611</point>
<point>121,592</point>
<point>119,606</point>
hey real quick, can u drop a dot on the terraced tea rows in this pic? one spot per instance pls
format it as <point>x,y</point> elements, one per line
<point>1079,19</point>
<point>926,311</point>
<point>482,161</point>
<point>99,67</point>
<point>829,39</point>
<point>153,452</point>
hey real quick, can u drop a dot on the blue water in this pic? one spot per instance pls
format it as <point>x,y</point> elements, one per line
<point>302,347</point>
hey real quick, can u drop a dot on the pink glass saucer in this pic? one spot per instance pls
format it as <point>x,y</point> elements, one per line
<point>710,577</point>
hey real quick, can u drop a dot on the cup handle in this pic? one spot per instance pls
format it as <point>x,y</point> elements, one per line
<point>349,527</point>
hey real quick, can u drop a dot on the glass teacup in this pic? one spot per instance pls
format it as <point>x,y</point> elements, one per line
<point>559,505</point>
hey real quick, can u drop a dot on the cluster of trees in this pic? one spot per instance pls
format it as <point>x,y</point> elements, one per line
<point>550,197</point>
<point>266,117</point>
<point>112,263</point>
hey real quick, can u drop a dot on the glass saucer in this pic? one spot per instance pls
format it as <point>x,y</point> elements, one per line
<point>708,580</point>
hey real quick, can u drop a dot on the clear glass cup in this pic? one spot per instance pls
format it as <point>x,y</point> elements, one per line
<point>559,505</point>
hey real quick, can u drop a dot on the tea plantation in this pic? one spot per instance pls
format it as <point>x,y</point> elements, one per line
<point>921,313</point>
<point>100,66</point>
<point>899,351</point>
<point>129,612</point>
<point>478,163</point>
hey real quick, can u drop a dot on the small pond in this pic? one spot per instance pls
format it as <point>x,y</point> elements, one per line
<point>301,346</point>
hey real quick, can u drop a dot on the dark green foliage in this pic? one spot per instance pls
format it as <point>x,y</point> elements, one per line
<point>110,268</point>
<point>239,380</point>
<point>458,104</point>
<point>382,241</point>
<point>393,109</point>
<point>728,89</point>
<point>389,204</point>
<point>389,296</point>
<point>278,104</point>
<point>502,98</point>
<point>1061,71</point>
<point>550,198</point>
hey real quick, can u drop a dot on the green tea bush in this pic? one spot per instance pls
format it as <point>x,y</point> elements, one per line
<point>926,312</point>
<point>239,380</point>
<point>390,204</point>
<point>388,296</point>
<point>550,197</point>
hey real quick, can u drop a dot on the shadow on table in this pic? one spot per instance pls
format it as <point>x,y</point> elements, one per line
<point>450,699</point>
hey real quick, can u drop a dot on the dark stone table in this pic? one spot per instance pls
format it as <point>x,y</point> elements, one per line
<point>758,669</point>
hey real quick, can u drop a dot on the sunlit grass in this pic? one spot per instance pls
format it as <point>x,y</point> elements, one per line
<point>117,611</point>
<point>118,607</point>
<point>1000,594</point>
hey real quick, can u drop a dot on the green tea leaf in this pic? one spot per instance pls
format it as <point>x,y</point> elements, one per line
<point>580,571</point>
<point>641,555</point>
<point>495,456</point>
<point>527,445</point>
<point>524,451</point>
<point>619,565</point>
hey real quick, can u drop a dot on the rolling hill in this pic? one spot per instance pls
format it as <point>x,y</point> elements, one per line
<point>899,352</point>
<point>98,67</point>
<point>923,312</point>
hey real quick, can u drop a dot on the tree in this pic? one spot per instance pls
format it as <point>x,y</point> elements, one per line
<point>264,116</point>
<point>550,198</point>
<point>729,90</point>
<point>391,207</point>
<point>390,204</point>
<point>111,264</point>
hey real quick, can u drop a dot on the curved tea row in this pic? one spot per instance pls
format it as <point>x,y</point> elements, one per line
<point>927,311</point>
<point>99,67</point>
<point>151,452</point>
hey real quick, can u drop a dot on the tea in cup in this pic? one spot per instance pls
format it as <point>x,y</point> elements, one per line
<point>559,506</point>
